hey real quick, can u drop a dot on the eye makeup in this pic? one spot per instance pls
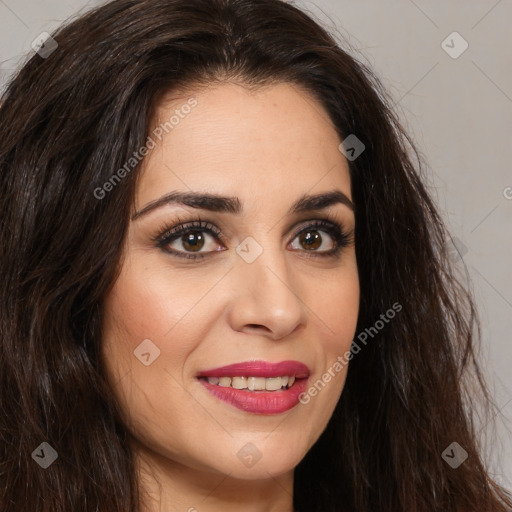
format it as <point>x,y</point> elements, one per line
<point>169,234</point>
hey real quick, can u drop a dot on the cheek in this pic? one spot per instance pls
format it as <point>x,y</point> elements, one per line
<point>336,306</point>
<point>149,304</point>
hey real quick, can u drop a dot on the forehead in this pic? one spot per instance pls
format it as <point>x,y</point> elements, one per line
<point>271,144</point>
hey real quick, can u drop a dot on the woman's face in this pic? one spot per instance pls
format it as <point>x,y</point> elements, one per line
<point>269,284</point>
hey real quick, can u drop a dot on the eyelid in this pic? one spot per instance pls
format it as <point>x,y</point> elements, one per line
<point>318,216</point>
<point>167,228</point>
<point>185,225</point>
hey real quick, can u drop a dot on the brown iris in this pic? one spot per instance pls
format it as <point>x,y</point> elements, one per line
<point>311,239</point>
<point>193,241</point>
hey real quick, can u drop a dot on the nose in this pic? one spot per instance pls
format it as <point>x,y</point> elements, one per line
<point>265,297</point>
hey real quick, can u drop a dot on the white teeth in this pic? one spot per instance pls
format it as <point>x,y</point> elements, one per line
<point>225,382</point>
<point>273,383</point>
<point>239,382</point>
<point>254,383</point>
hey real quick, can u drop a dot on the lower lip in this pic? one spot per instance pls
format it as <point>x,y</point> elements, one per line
<point>259,402</point>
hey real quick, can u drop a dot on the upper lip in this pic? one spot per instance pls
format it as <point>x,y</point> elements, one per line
<point>259,369</point>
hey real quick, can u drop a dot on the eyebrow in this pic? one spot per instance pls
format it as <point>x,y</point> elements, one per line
<point>225,204</point>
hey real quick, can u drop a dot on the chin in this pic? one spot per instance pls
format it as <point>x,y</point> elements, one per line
<point>262,470</point>
<point>260,459</point>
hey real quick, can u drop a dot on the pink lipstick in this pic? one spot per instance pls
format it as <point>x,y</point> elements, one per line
<point>258,387</point>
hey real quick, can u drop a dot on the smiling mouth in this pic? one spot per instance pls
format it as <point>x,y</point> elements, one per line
<point>258,387</point>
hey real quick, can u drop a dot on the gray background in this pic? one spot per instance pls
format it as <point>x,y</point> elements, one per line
<point>459,112</point>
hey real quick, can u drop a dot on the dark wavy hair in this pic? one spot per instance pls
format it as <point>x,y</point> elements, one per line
<point>69,120</point>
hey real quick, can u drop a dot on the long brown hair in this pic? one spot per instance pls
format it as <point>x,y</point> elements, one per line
<point>70,119</point>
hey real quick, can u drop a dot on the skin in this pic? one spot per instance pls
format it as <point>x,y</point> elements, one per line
<point>267,147</point>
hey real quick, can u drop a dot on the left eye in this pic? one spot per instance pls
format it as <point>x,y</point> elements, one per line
<point>310,239</point>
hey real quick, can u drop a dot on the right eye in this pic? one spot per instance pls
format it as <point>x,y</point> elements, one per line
<point>189,239</point>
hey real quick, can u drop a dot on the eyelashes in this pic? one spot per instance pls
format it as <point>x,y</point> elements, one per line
<point>311,230</point>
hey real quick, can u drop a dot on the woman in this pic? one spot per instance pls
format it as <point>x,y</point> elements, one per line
<point>224,284</point>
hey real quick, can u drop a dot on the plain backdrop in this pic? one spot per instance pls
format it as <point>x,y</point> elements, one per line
<point>453,92</point>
